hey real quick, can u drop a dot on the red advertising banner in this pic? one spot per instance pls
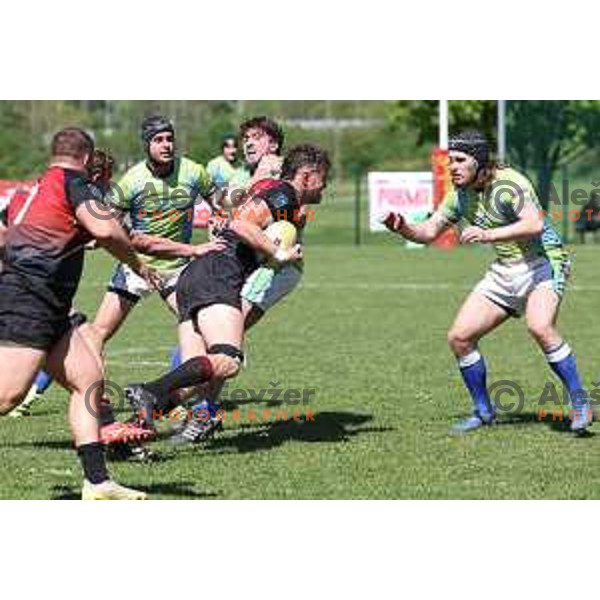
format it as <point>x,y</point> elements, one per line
<point>441,184</point>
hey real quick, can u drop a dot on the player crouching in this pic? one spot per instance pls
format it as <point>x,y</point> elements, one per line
<point>497,205</point>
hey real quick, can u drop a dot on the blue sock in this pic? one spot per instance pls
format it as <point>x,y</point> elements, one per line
<point>474,373</point>
<point>206,405</point>
<point>175,357</point>
<point>562,361</point>
<point>42,382</point>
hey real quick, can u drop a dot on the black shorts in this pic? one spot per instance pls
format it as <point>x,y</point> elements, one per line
<point>26,318</point>
<point>216,278</point>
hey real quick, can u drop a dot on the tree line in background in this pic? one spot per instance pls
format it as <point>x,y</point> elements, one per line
<point>361,135</point>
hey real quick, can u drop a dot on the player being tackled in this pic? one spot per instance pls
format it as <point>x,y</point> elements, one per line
<point>209,290</point>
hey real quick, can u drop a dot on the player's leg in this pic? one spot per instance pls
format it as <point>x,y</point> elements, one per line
<point>112,313</point>
<point>124,291</point>
<point>221,327</point>
<point>263,289</point>
<point>202,420</point>
<point>543,305</point>
<point>478,316</point>
<point>43,379</point>
<point>18,368</point>
<point>77,368</point>
<point>42,382</point>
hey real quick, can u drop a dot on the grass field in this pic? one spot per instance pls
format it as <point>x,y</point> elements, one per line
<point>367,331</point>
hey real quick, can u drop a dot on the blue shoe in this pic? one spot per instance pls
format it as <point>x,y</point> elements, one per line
<point>582,418</point>
<point>472,423</point>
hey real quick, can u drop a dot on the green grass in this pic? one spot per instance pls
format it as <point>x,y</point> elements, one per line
<point>387,390</point>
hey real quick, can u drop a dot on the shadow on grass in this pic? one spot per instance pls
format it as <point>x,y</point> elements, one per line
<point>181,490</point>
<point>324,427</point>
<point>229,405</point>
<point>560,425</point>
<point>114,453</point>
<point>64,444</point>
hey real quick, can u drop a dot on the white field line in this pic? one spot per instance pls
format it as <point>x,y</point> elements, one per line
<point>401,285</point>
<point>139,363</point>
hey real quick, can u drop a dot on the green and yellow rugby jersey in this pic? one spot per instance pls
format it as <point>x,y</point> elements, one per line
<point>497,206</point>
<point>162,206</point>
<point>240,179</point>
<point>221,171</point>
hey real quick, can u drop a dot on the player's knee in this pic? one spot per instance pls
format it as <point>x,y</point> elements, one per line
<point>226,360</point>
<point>88,380</point>
<point>542,332</point>
<point>225,367</point>
<point>458,341</point>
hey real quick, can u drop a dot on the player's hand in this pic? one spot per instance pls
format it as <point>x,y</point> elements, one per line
<point>217,224</point>
<point>474,235</point>
<point>151,276</point>
<point>290,255</point>
<point>394,221</point>
<point>202,249</point>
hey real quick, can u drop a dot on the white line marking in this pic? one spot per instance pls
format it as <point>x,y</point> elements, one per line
<point>140,363</point>
<point>409,286</point>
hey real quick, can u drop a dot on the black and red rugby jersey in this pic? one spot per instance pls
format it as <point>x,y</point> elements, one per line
<point>44,242</point>
<point>281,199</point>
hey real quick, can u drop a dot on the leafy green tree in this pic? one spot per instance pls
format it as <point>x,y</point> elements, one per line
<point>542,135</point>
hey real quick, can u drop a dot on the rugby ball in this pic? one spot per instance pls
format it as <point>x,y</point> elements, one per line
<point>283,234</point>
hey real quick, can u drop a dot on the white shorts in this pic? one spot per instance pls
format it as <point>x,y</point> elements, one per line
<point>266,286</point>
<point>509,285</point>
<point>130,285</point>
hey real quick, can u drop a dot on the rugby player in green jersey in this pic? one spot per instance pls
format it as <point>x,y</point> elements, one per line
<point>223,167</point>
<point>494,204</point>
<point>157,196</point>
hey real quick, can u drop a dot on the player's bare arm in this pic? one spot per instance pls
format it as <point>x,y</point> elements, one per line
<point>530,224</point>
<point>166,248</point>
<point>248,223</point>
<point>421,233</point>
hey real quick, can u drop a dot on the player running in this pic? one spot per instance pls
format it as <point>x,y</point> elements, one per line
<point>497,205</point>
<point>263,289</point>
<point>157,196</point>
<point>211,327</point>
<point>44,255</point>
<point>100,169</point>
<point>262,144</point>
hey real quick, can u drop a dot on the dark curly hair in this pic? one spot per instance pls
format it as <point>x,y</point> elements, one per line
<point>304,155</point>
<point>270,127</point>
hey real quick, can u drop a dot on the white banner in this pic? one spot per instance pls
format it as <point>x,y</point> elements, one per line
<point>408,193</point>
